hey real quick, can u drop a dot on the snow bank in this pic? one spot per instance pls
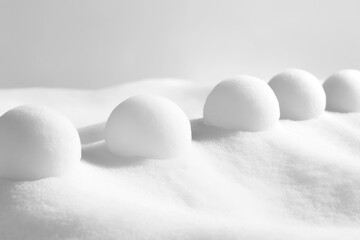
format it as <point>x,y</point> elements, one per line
<point>298,180</point>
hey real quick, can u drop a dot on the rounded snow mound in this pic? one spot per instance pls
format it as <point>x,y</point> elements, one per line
<point>242,103</point>
<point>343,91</point>
<point>37,142</point>
<point>300,94</point>
<point>147,126</point>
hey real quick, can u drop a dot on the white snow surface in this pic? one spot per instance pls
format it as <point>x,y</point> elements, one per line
<point>298,180</point>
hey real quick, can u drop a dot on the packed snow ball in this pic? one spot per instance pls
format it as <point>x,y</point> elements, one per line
<point>300,94</point>
<point>37,142</point>
<point>148,126</point>
<point>343,91</point>
<point>243,103</point>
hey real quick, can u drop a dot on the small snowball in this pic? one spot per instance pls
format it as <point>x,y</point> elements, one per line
<point>147,126</point>
<point>37,142</point>
<point>242,103</point>
<point>300,94</point>
<point>343,91</point>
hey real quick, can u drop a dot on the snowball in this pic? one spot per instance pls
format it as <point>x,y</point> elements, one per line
<point>242,103</point>
<point>300,94</point>
<point>147,126</point>
<point>37,142</point>
<point>343,91</point>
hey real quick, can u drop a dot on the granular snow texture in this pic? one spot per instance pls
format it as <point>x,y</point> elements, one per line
<point>298,180</point>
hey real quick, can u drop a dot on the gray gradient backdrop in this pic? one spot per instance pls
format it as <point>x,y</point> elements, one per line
<point>95,43</point>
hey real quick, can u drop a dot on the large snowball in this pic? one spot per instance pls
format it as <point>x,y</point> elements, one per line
<point>147,126</point>
<point>343,91</point>
<point>242,103</point>
<point>300,94</point>
<point>37,142</point>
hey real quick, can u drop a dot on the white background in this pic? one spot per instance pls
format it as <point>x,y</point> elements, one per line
<point>95,43</point>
